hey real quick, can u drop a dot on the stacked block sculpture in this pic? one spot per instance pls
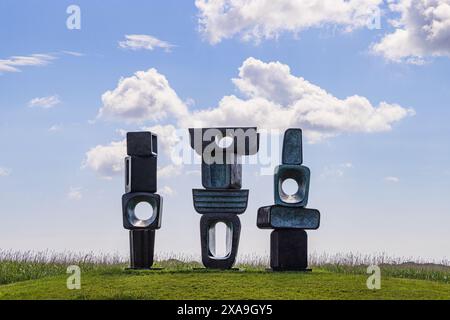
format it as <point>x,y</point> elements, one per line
<point>289,217</point>
<point>141,186</point>
<point>222,198</point>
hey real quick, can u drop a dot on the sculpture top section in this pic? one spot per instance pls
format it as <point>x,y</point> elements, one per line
<point>292,147</point>
<point>142,144</point>
<point>240,141</point>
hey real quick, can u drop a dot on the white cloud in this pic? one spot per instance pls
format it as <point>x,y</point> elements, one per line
<point>13,64</point>
<point>143,41</point>
<point>145,96</point>
<point>392,179</point>
<point>274,98</point>
<point>421,31</point>
<point>44,102</point>
<point>4,172</point>
<point>73,53</point>
<point>266,19</point>
<point>107,160</point>
<point>55,128</point>
<point>166,191</point>
<point>75,194</point>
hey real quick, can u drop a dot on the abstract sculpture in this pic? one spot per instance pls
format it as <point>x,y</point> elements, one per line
<point>141,186</point>
<point>222,199</point>
<point>288,217</point>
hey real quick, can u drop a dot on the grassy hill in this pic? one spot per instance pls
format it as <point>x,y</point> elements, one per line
<point>46,279</point>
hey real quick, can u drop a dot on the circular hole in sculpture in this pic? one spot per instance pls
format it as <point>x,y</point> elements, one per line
<point>143,211</point>
<point>290,187</point>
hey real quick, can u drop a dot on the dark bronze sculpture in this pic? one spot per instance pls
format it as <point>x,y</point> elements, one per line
<point>141,186</point>
<point>222,199</point>
<point>288,217</point>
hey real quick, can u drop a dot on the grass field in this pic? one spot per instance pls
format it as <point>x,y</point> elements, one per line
<point>43,276</point>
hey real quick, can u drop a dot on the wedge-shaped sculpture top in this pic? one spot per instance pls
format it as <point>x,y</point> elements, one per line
<point>242,141</point>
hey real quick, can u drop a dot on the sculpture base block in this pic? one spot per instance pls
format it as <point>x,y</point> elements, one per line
<point>289,250</point>
<point>207,235</point>
<point>142,247</point>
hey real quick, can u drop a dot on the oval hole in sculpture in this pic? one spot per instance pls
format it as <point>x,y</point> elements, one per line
<point>218,242</point>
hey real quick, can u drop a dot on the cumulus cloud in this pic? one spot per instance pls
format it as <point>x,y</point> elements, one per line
<point>255,20</point>
<point>145,96</point>
<point>14,63</point>
<point>271,98</point>
<point>422,30</point>
<point>44,102</point>
<point>276,99</point>
<point>144,42</point>
<point>107,160</point>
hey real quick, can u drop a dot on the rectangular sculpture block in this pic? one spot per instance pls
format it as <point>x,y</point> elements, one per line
<point>208,238</point>
<point>292,147</point>
<point>222,176</point>
<point>281,217</point>
<point>288,250</point>
<point>129,203</point>
<point>142,246</point>
<point>220,201</point>
<point>142,144</point>
<point>140,174</point>
<point>301,175</point>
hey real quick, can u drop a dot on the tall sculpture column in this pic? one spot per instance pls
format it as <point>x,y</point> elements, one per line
<point>222,199</point>
<point>289,217</point>
<point>141,186</point>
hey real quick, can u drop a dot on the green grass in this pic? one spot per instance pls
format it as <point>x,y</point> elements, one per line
<point>119,284</point>
<point>43,276</point>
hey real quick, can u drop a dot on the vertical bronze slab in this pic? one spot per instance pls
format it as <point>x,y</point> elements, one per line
<point>292,147</point>
<point>142,244</point>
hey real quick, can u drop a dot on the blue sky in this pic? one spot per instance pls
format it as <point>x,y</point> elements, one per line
<point>378,189</point>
